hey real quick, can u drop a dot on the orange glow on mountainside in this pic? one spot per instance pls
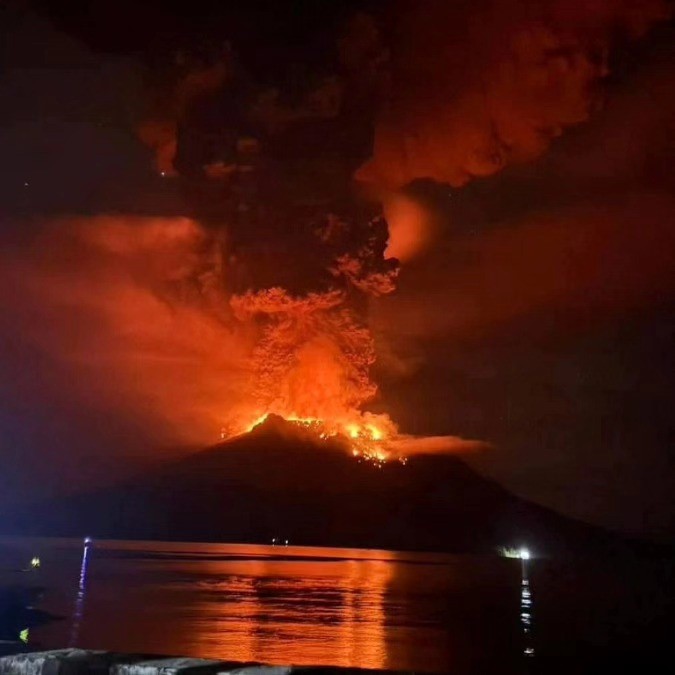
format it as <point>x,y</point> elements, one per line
<point>366,435</point>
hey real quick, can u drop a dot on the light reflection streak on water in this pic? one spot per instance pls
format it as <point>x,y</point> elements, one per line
<point>78,611</point>
<point>346,609</point>
<point>526,610</point>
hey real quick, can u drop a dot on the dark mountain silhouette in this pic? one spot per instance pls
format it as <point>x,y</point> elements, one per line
<point>276,482</point>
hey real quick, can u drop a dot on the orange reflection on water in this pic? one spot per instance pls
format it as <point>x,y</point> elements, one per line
<point>299,605</point>
<point>294,609</point>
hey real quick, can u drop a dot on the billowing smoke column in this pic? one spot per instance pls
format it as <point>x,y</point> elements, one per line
<point>314,351</point>
<point>312,339</point>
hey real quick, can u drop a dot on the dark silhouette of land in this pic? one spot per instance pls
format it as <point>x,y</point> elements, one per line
<point>277,483</point>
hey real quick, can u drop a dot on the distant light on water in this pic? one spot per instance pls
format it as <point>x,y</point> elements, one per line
<point>524,555</point>
<point>526,603</point>
<point>520,553</point>
<point>81,594</point>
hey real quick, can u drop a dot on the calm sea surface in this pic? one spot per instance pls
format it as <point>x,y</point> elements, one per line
<point>364,608</point>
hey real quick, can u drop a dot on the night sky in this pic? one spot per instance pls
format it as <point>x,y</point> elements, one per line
<point>539,315</point>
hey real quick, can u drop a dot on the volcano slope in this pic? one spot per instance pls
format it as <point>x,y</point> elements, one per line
<point>282,482</point>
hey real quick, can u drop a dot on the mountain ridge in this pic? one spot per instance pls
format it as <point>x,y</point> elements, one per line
<point>281,482</point>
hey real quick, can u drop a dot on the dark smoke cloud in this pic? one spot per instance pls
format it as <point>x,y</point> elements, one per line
<point>588,262</point>
<point>539,319</point>
<point>587,228</point>
<point>480,85</point>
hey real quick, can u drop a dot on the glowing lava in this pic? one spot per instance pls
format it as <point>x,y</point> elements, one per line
<point>366,438</point>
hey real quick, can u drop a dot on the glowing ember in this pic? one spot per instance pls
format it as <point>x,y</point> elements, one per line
<point>366,439</point>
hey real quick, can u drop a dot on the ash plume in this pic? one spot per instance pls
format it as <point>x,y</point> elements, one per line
<point>314,352</point>
<point>478,86</point>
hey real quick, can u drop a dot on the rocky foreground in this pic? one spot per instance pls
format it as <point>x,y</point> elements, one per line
<point>85,662</point>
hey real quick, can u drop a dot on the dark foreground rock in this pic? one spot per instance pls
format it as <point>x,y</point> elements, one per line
<point>87,662</point>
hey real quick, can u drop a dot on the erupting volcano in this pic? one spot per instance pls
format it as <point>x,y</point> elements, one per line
<point>246,286</point>
<point>312,353</point>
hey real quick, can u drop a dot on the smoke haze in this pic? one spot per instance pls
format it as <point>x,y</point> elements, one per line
<point>125,302</point>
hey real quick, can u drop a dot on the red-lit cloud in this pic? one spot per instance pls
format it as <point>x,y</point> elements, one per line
<point>125,302</point>
<point>477,87</point>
